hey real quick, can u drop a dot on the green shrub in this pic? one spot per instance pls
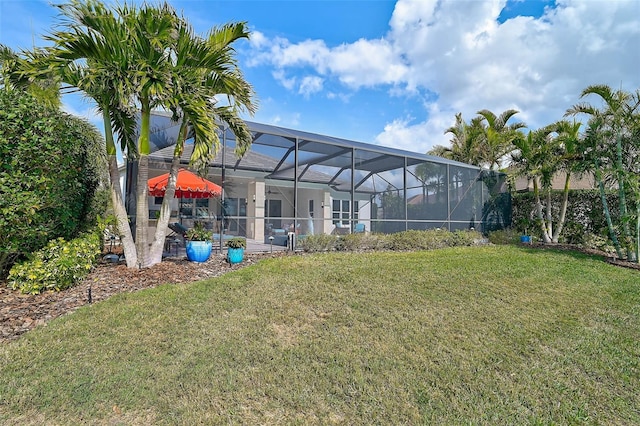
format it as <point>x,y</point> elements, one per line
<point>584,214</point>
<point>465,238</point>
<point>402,241</point>
<point>504,236</point>
<point>361,242</point>
<point>598,242</point>
<point>59,265</point>
<point>419,240</point>
<point>51,164</point>
<point>319,242</point>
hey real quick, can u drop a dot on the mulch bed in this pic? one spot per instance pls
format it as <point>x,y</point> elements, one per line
<point>20,313</point>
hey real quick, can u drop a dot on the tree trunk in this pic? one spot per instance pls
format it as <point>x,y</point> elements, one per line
<point>142,192</point>
<point>142,211</point>
<point>126,238</point>
<point>157,247</point>
<point>549,217</point>
<point>624,216</point>
<point>120,212</point>
<point>607,214</point>
<point>539,213</point>
<point>637,229</point>
<point>563,209</point>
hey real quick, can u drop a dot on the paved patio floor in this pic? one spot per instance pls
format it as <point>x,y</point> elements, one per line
<point>178,250</point>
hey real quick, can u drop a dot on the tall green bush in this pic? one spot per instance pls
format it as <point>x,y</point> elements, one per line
<point>51,164</point>
<point>584,214</point>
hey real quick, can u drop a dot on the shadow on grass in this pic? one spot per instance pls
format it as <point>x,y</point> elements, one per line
<point>577,252</point>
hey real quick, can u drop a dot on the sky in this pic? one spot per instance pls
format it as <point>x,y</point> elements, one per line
<point>395,73</point>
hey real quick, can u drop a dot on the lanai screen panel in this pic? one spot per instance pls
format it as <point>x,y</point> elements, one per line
<point>404,190</point>
<point>465,197</point>
<point>428,199</point>
<point>389,201</point>
<point>269,152</point>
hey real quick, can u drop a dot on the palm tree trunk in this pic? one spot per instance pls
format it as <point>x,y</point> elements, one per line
<point>157,247</point>
<point>607,214</point>
<point>128,245</point>
<point>126,237</point>
<point>637,229</point>
<point>626,232</point>
<point>142,201</point>
<point>563,209</point>
<point>549,217</point>
<point>543,228</point>
<point>142,211</point>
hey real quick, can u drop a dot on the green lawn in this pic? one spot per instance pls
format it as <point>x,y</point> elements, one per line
<point>492,335</point>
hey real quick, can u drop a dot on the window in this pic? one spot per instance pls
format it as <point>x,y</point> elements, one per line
<point>341,212</point>
<point>195,208</point>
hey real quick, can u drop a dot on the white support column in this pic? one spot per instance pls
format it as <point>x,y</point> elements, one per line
<point>255,210</point>
<point>327,223</point>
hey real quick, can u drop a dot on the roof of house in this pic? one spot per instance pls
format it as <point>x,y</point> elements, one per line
<point>278,151</point>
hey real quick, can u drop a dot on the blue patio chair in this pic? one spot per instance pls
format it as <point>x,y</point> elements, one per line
<point>359,228</point>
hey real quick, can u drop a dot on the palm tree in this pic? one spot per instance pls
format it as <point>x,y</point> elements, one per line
<point>90,57</point>
<point>204,68</point>
<point>465,142</point>
<point>570,140</point>
<point>161,64</point>
<point>613,124</point>
<point>16,71</point>
<point>536,158</point>
<point>499,137</point>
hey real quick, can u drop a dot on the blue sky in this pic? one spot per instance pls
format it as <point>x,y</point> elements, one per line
<point>395,73</point>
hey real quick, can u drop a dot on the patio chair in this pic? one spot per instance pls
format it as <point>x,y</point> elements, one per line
<point>178,228</point>
<point>177,237</point>
<point>340,229</point>
<point>359,228</point>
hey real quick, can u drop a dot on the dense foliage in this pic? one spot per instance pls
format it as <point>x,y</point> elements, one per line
<point>51,165</point>
<point>59,265</point>
<point>584,220</point>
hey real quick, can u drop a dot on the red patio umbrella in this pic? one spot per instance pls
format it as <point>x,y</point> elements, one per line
<point>188,185</point>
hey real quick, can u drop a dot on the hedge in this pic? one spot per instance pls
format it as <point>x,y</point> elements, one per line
<point>51,165</point>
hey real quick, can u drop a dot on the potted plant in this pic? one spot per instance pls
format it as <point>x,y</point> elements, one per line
<point>235,249</point>
<point>525,238</point>
<point>199,243</point>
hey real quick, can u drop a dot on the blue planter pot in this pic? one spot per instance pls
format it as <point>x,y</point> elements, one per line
<point>525,239</point>
<point>198,251</point>
<point>235,255</point>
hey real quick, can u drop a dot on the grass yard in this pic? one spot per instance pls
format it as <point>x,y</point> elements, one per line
<point>492,335</point>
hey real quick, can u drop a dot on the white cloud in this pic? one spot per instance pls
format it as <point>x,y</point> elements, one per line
<point>287,82</point>
<point>364,63</point>
<point>344,97</point>
<point>310,85</point>
<point>290,120</point>
<point>403,133</point>
<point>458,51</point>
